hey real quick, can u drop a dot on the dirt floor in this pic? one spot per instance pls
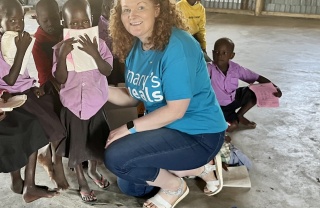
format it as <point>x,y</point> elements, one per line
<point>285,146</point>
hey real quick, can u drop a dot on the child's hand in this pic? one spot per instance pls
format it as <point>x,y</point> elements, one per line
<point>89,47</point>
<point>278,93</point>
<point>66,47</point>
<point>38,91</point>
<point>2,115</point>
<point>23,41</point>
<point>5,96</point>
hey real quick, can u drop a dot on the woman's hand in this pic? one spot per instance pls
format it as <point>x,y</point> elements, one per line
<point>117,134</point>
<point>88,46</point>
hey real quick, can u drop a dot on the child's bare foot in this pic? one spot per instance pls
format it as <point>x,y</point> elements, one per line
<point>245,122</point>
<point>59,178</point>
<point>31,193</point>
<point>46,161</point>
<point>232,126</point>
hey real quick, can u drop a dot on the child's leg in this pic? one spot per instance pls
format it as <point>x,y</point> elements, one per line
<point>248,100</point>
<point>45,159</point>
<point>58,175</point>
<point>16,182</point>
<point>32,192</point>
<point>97,177</point>
<point>86,194</point>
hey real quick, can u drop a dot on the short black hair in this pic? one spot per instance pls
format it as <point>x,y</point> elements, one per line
<point>226,41</point>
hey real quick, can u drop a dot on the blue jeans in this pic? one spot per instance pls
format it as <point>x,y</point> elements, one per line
<point>138,157</point>
<point>137,190</point>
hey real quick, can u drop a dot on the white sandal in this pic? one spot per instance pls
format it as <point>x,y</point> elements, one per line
<point>214,186</point>
<point>158,201</point>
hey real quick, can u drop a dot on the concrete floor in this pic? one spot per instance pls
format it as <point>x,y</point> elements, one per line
<point>284,147</point>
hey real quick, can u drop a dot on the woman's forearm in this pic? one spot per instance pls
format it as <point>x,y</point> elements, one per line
<point>120,96</point>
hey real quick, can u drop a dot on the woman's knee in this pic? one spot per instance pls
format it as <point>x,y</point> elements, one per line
<point>112,159</point>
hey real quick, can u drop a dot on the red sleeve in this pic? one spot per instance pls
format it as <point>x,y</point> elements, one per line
<point>43,63</point>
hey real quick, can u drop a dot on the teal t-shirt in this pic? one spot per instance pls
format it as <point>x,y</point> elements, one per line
<point>178,72</point>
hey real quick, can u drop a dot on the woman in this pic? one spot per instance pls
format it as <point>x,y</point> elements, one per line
<point>183,128</point>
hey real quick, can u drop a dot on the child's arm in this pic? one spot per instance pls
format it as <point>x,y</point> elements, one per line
<point>61,72</point>
<point>22,43</point>
<point>201,35</point>
<point>91,48</point>
<point>263,79</point>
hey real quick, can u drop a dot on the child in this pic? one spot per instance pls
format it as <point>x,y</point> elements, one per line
<point>195,14</point>
<point>83,95</point>
<point>38,103</point>
<point>48,34</point>
<point>224,79</point>
<point>20,138</point>
<point>117,75</point>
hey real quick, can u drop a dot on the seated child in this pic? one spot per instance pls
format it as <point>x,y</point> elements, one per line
<point>48,34</point>
<point>83,95</point>
<point>225,75</point>
<point>117,75</point>
<point>38,103</point>
<point>21,135</point>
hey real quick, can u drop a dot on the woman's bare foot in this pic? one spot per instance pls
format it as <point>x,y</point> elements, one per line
<point>31,193</point>
<point>58,177</point>
<point>246,123</point>
<point>175,194</point>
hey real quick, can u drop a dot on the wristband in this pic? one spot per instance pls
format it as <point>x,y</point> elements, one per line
<point>131,128</point>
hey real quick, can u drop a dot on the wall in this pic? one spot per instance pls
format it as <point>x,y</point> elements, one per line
<point>293,6</point>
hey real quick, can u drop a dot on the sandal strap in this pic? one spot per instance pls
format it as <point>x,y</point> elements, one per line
<point>178,192</point>
<point>207,169</point>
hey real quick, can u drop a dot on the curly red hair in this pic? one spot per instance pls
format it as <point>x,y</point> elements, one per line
<point>168,18</point>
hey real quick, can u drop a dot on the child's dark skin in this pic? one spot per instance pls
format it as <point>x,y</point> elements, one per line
<point>192,2</point>
<point>14,21</point>
<point>5,97</point>
<point>48,18</point>
<point>222,53</point>
<point>106,7</point>
<point>79,17</point>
